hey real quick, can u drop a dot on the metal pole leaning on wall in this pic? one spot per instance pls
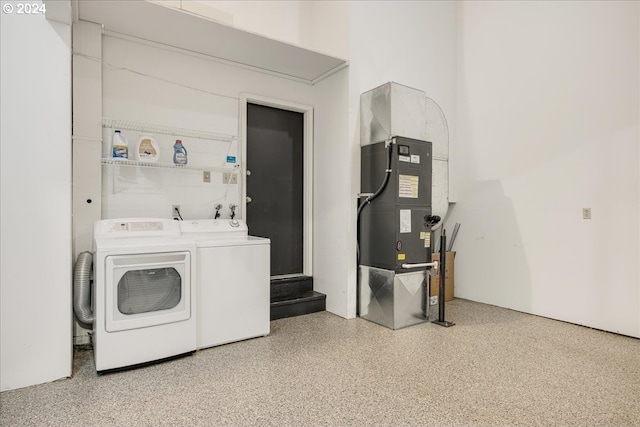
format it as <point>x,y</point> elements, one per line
<point>442,276</point>
<point>441,285</point>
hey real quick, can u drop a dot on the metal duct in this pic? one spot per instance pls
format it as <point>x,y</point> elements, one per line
<point>438,133</point>
<point>392,110</point>
<point>82,290</point>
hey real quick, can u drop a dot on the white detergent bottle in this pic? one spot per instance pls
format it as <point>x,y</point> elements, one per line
<point>147,150</point>
<point>119,146</point>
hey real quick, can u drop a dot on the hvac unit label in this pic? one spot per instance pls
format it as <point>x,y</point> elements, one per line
<point>405,220</point>
<point>426,236</point>
<point>408,186</point>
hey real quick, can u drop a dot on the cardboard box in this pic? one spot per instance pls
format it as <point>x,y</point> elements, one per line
<point>448,279</point>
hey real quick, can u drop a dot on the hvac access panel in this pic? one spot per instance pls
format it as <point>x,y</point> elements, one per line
<point>392,227</point>
<point>411,176</point>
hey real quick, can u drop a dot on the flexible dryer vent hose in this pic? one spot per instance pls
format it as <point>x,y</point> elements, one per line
<point>82,290</point>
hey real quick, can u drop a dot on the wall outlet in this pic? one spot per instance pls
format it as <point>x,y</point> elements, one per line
<point>586,213</point>
<point>433,300</point>
<point>206,176</point>
<point>229,178</point>
<point>175,211</point>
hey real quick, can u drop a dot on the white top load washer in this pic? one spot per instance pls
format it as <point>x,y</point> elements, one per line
<point>233,281</point>
<point>144,297</point>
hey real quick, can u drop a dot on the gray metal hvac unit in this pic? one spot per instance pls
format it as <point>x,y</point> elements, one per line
<point>394,233</point>
<point>392,227</point>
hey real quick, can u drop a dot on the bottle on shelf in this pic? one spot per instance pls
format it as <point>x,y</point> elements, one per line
<point>179,153</point>
<point>147,149</point>
<point>119,145</point>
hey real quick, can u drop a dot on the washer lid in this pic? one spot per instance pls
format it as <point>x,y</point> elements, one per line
<point>218,242</point>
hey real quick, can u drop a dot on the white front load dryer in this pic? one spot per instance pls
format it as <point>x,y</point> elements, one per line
<point>144,297</point>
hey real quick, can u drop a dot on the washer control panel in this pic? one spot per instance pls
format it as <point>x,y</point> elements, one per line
<point>136,227</point>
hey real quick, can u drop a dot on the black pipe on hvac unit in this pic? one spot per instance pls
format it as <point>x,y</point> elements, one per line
<point>365,202</point>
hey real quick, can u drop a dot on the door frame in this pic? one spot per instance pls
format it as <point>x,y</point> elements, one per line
<point>307,111</point>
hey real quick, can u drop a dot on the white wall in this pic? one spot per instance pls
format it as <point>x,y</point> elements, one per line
<point>35,267</point>
<point>411,43</point>
<point>317,25</point>
<point>324,27</point>
<point>548,113</point>
<point>333,250</point>
<point>274,19</point>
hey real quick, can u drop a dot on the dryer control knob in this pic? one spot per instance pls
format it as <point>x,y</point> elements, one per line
<point>234,223</point>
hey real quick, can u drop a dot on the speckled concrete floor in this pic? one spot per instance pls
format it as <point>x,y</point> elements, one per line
<point>495,367</point>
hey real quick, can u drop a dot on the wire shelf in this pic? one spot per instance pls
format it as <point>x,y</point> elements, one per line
<point>166,130</point>
<point>136,163</point>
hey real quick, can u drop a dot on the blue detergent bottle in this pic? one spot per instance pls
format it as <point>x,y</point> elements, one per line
<point>179,153</point>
